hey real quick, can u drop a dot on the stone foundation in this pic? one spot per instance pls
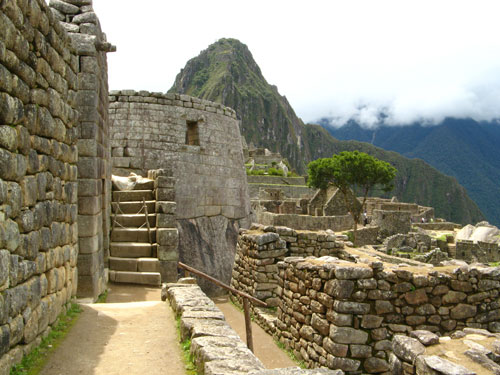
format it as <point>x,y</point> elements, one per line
<point>343,315</point>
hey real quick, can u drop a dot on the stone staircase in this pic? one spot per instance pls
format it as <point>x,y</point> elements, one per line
<point>133,250</point>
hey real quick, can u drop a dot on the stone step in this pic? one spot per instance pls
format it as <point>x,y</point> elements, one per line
<point>134,207</point>
<point>133,195</point>
<point>134,264</point>
<point>145,185</point>
<point>132,235</point>
<point>132,249</point>
<point>134,220</point>
<point>146,278</point>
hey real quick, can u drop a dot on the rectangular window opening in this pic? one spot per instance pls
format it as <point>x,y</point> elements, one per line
<point>192,133</point>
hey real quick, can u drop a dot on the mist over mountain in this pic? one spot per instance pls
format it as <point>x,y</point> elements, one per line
<point>463,148</point>
<point>226,72</point>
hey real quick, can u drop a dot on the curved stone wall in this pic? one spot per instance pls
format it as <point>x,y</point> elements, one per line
<point>201,142</point>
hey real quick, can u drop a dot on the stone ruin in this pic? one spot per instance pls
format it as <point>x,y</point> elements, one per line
<point>61,138</point>
<point>63,135</point>
<point>349,310</point>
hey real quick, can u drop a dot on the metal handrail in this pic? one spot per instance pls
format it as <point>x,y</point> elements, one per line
<point>246,298</point>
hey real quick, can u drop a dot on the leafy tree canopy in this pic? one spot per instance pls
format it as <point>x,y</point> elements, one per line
<point>351,170</point>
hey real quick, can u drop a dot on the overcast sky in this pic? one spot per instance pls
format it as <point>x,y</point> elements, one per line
<point>413,59</point>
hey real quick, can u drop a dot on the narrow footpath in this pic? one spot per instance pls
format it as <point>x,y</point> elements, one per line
<point>133,333</point>
<point>264,346</point>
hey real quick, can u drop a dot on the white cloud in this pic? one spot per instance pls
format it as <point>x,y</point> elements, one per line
<point>415,60</point>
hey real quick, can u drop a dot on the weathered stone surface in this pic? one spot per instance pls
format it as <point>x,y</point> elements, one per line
<point>371,321</point>
<point>441,365</point>
<point>425,337</point>
<point>338,350</point>
<point>453,297</point>
<point>360,351</point>
<point>344,364</point>
<point>347,335</point>
<point>214,256</point>
<point>407,348</point>
<point>479,357</point>
<point>320,324</point>
<point>351,307</point>
<point>375,365</point>
<point>463,311</point>
<point>416,297</point>
<point>353,272</point>
<point>341,289</point>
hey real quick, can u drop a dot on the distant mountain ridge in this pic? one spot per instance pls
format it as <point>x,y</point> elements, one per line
<point>226,72</point>
<point>463,148</point>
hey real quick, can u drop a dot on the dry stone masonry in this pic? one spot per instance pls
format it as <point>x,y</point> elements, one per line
<point>260,249</point>
<point>200,141</point>
<point>38,175</point>
<point>343,314</point>
<point>215,346</point>
<point>54,178</point>
<point>467,352</point>
<point>343,311</point>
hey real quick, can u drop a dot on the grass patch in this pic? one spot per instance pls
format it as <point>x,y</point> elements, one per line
<point>102,297</point>
<point>290,353</point>
<point>186,352</point>
<point>34,362</point>
<point>494,264</point>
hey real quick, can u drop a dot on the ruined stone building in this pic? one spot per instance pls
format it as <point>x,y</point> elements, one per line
<point>60,141</point>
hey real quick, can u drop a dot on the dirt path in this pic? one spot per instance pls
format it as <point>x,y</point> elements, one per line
<point>133,333</point>
<point>264,347</point>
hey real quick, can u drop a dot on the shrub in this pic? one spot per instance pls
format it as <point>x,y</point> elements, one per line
<point>275,172</point>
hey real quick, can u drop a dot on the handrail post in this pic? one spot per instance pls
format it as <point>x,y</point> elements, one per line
<point>248,323</point>
<point>247,298</point>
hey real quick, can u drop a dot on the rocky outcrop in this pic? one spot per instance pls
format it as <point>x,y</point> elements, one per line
<point>208,244</point>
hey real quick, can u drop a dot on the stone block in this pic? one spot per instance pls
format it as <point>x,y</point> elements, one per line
<point>89,168</point>
<point>348,335</point>
<point>165,194</point>
<point>165,221</point>
<point>168,253</point>
<point>168,271</point>
<point>4,273</point>
<point>164,182</point>
<point>89,205</point>
<point>89,286</point>
<point>89,264</point>
<point>89,225</point>
<point>213,210</point>
<point>89,187</point>
<point>148,265</point>
<point>167,236</point>
<point>407,348</point>
<point>87,147</point>
<point>4,339</point>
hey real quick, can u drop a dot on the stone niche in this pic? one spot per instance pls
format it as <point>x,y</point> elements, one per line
<point>201,142</point>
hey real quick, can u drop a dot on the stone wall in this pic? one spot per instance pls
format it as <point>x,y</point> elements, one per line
<point>343,315</point>
<point>167,235</point>
<point>94,170</point>
<point>200,141</point>
<point>306,222</point>
<point>391,222</point>
<point>215,347</point>
<point>479,251</point>
<point>255,268</point>
<point>288,190</point>
<point>38,175</point>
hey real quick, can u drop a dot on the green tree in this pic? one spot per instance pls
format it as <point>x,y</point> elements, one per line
<point>350,172</point>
